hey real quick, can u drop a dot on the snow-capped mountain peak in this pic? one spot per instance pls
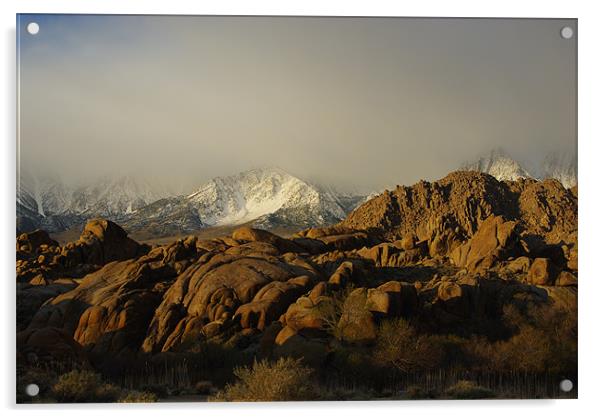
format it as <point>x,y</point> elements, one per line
<point>256,193</point>
<point>498,164</point>
<point>562,167</point>
<point>559,166</point>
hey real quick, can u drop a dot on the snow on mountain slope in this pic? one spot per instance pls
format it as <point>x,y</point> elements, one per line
<point>268,197</point>
<point>252,194</point>
<point>114,196</point>
<point>44,201</point>
<point>559,166</point>
<point>562,167</point>
<point>498,164</point>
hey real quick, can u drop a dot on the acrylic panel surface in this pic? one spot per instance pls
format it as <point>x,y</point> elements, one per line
<point>216,208</point>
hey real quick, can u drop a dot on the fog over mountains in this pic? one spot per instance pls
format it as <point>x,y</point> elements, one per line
<point>266,197</point>
<point>502,166</point>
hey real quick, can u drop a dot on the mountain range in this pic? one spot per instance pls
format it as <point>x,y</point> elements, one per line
<point>268,198</point>
<point>502,166</point>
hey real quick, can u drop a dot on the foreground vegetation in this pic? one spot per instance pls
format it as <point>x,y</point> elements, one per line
<point>405,362</point>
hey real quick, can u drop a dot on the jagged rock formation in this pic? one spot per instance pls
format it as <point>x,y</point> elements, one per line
<point>101,242</point>
<point>452,209</point>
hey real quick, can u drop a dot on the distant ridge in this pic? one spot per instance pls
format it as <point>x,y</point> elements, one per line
<point>499,164</point>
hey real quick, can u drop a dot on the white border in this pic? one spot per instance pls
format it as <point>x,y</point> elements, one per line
<point>590,93</point>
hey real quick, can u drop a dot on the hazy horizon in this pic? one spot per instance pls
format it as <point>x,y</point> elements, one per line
<point>354,103</point>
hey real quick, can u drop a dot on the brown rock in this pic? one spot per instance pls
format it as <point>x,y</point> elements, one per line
<point>319,290</point>
<point>541,272</point>
<point>378,301</point>
<point>519,265</point>
<point>307,314</point>
<point>408,242</point>
<point>29,242</point>
<point>464,199</point>
<point>217,286</point>
<point>449,290</point>
<point>403,298</point>
<point>345,242</point>
<point>494,240</point>
<point>251,234</point>
<point>572,262</point>
<point>343,274</point>
<point>270,302</point>
<point>101,242</point>
<point>566,278</point>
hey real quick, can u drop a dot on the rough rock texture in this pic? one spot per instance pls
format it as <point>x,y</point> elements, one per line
<point>216,286</point>
<point>494,240</point>
<point>463,200</point>
<point>542,272</point>
<point>101,242</point>
<point>110,309</point>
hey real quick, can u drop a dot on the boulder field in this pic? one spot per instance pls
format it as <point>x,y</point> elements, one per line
<point>451,254</point>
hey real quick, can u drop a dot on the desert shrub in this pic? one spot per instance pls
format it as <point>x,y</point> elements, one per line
<point>284,380</point>
<point>331,309</point>
<point>399,345</point>
<point>544,339</point>
<point>84,386</point>
<point>465,389</point>
<point>138,397</point>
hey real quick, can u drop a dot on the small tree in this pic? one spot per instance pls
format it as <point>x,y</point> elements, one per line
<point>399,345</point>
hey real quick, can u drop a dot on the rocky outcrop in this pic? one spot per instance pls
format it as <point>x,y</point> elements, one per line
<point>246,234</point>
<point>270,302</point>
<point>449,256</point>
<point>101,242</point>
<point>542,272</point>
<point>226,288</point>
<point>392,255</point>
<point>494,240</point>
<point>463,200</point>
<point>109,311</point>
<point>29,243</point>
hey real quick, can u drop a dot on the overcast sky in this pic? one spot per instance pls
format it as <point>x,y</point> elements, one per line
<point>356,103</point>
